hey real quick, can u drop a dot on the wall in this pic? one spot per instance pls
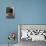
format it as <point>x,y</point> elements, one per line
<point>6,25</point>
<point>27,12</point>
<point>31,11</point>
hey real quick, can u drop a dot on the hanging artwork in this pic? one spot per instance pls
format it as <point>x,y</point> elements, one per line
<point>12,36</point>
<point>10,12</point>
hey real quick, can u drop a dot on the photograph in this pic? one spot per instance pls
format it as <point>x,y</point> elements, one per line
<point>31,34</point>
<point>10,12</point>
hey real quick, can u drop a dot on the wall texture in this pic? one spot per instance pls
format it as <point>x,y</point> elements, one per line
<point>27,12</point>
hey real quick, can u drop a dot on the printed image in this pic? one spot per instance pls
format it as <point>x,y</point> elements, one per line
<point>30,34</point>
<point>10,12</point>
<point>12,37</point>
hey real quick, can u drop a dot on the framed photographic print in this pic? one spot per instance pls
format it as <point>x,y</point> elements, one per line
<point>10,12</point>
